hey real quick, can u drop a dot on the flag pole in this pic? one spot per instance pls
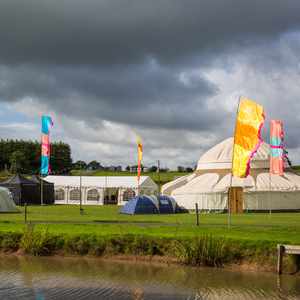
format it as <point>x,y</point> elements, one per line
<point>270,182</point>
<point>231,177</point>
<point>42,190</point>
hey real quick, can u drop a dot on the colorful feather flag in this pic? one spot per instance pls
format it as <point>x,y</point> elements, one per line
<point>277,152</point>
<point>45,157</point>
<point>140,157</point>
<point>247,139</point>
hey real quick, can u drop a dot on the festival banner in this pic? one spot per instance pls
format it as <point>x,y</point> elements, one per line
<point>277,152</point>
<point>45,156</point>
<point>247,139</point>
<point>140,157</point>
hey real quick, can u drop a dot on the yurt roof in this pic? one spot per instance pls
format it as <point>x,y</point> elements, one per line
<point>220,157</point>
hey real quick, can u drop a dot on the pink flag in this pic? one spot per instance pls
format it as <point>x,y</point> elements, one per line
<point>276,146</point>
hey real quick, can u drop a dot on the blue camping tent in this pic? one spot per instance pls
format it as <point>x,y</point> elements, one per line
<point>139,205</point>
<point>167,204</point>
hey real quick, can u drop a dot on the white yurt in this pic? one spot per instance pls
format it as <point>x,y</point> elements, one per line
<point>209,184</point>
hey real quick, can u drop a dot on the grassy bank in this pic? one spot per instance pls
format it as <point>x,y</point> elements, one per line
<point>204,250</point>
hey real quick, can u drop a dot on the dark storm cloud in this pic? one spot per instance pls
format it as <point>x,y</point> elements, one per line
<point>126,31</point>
<point>145,65</point>
<point>147,95</point>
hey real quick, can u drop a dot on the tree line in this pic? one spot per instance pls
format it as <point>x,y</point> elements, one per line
<point>25,157</point>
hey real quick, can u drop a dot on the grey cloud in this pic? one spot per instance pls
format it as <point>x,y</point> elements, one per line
<point>142,65</point>
<point>127,31</point>
<point>146,95</point>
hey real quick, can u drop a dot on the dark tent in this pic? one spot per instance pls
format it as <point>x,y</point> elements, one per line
<point>139,205</point>
<point>48,189</point>
<point>166,204</point>
<point>29,191</point>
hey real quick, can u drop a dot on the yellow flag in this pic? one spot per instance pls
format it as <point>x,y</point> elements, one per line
<point>247,139</point>
<point>140,155</point>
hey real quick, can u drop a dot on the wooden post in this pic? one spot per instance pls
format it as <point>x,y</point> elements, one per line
<point>158,175</point>
<point>197,214</point>
<point>280,249</point>
<point>25,217</point>
<point>80,188</point>
<point>232,158</point>
<point>42,190</point>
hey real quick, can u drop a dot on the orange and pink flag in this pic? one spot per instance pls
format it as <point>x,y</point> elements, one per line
<point>247,139</point>
<point>140,157</point>
<point>276,147</point>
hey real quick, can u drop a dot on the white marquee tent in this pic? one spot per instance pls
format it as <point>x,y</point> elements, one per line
<point>99,189</point>
<point>209,185</point>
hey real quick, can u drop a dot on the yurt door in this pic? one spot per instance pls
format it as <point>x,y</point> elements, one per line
<point>236,200</point>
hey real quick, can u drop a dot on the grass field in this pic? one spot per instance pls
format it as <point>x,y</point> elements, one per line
<point>106,221</point>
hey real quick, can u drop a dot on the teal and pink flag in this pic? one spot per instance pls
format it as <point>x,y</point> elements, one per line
<point>277,152</point>
<point>45,157</point>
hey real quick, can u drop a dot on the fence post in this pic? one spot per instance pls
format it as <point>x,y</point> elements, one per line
<point>197,214</point>
<point>25,216</point>
<point>280,249</point>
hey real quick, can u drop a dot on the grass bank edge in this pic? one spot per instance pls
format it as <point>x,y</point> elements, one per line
<point>204,250</point>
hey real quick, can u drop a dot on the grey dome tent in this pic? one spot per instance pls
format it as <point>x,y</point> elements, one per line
<point>7,203</point>
<point>28,191</point>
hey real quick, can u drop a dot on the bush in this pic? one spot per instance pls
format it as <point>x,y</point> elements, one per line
<point>37,242</point>
<point>205,250</point>
<point>10,241</point>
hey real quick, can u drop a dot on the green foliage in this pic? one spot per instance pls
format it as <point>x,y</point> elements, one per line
<point>10,241</point>
<point>204,250</point>
<point>24,156</point>
<point>17,162</point>
<point>37,242</point>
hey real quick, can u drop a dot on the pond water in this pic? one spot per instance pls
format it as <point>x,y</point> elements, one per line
<point>77,278</point>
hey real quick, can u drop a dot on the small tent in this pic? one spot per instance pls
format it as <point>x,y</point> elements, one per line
<point>28,191</point>
<point>7,203</point>
<point>140,205</point>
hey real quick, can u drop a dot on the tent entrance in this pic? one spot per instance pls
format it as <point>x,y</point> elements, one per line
<point>236,200</point>
<point>111,196</point>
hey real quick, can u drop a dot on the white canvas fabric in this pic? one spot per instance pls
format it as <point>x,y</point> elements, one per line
<point>224,184</point>
<point>177,183</point>
<point>220,157</point>
<point>267,182</point>
<point>99,181</point>
<point>196,190</point>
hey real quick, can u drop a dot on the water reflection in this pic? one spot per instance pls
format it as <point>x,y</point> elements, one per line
<point>73,278</point>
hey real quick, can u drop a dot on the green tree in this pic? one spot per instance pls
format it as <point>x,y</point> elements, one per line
<point>17,162</point>
<point>79,165</point>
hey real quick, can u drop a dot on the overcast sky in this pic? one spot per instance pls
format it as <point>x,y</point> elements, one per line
<point>168,70</point>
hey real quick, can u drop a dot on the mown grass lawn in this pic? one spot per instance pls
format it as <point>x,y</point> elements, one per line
<point>106,220</point>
